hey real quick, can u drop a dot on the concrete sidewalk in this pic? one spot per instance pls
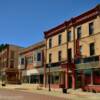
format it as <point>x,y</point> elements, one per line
<point>72,94</point>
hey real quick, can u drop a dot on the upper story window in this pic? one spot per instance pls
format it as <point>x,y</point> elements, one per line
<point>50,43</point>
<point>92,49</point>
<point>79,32</point>
<point>91,28</point>
<point>11,64</point>
<point>12,54</point>
<point>59,39</point>
<point>69,55</point>
<point>22,61</point>
<point>69,36</point>
<point>59,55</point>
<point>50,58</point>
<point>39,56</point>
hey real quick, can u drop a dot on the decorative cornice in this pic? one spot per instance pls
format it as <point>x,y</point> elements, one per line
<point>32,48</point>
<point>87,16</point>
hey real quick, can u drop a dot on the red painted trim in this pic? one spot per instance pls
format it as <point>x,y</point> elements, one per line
<point>87,16</point>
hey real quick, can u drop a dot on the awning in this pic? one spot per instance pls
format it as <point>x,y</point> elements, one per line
<point>88,71</point>
<point>30,72</point>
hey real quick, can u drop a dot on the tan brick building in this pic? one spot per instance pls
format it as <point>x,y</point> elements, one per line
<point>73,51</point>
<point>31,63</point>
<point>9,63</point>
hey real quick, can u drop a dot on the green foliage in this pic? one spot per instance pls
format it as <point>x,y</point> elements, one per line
<point>3,46</point>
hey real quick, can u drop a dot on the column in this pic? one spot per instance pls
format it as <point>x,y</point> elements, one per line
<point>73,81</point>
<point>66,77</point>
<point>73,77</point>
<point>45,80</point>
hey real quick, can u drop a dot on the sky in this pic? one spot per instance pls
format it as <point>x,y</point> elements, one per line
<point>22,22</point>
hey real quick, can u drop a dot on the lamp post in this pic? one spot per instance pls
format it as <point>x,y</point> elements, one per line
<point>49,65</point>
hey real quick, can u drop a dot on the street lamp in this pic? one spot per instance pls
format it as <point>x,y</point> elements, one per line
<point>49,65</point>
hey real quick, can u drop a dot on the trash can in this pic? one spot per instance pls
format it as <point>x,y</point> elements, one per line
<point>3,83</point>
<point>64,90</point>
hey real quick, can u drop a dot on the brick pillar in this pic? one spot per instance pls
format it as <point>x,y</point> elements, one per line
<point>73,81</point>
<point>73,77</point>
<point>66,77</point>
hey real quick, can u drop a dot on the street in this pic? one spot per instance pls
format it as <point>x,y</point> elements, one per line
<point>6,94</point>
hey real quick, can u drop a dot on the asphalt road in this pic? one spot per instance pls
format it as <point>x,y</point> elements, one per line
<point>20,95</point>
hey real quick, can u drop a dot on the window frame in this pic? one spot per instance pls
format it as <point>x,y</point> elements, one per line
<point>69,34</point>
<point>92,46</point>
<point>59,39</point>
<point>50,43</point>
<point>79,32</point>
<point>59,55</point>
<point>91,28</point>
<point>50,57</point>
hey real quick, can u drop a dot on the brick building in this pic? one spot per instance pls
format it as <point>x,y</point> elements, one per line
<point>31,63</point>
<point>9,64</point>
<point>73,51</point>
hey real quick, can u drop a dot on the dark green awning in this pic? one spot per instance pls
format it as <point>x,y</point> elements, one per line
<point>87,71</point>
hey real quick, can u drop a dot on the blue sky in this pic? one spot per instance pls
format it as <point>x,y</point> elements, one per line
<point>22,22</point>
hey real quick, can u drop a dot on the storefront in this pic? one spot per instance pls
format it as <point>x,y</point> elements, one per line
<point>87,77</point>
<point>13,76</point>
<point>33,76</point>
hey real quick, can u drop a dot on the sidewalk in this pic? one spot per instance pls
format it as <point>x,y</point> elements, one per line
<point>71,95</point>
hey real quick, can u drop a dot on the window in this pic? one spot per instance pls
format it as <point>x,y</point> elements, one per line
<point>50,58</point>
<point>54,78</point>
<point>69,55</point>
<point>91,28</point>
<point>92,49</point>
<point>59,39</point>
<point>69,36</point>
<point>22,61</point>
<point>12,54</point>
<point>50,43</point>
<point>39,56</point>
<point>59,55</point>
<point>11,64</point>
<point>79,32</point>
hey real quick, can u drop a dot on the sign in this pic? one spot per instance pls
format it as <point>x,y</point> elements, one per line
<point>77,55</point>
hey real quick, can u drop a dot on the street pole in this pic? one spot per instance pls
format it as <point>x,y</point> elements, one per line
<point>49,76</point>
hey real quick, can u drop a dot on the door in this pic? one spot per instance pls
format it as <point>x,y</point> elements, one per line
<point>69,81</point>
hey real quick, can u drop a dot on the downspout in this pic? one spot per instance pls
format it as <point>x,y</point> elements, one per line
<point>74,65</point>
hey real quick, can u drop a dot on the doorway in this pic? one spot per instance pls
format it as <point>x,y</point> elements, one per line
<point>69,81</point>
